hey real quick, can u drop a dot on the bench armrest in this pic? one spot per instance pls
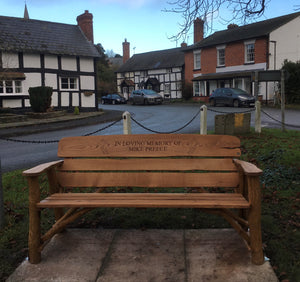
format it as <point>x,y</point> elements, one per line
<point>247,168</point>
<point>37,170</point>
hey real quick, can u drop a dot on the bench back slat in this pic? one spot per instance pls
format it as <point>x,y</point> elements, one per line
<point>148,179</point>
<point>147,164</point>
<point>150,145</point>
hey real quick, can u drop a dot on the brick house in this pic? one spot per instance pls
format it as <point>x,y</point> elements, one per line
<point>40,53</point>
<point>162,71</point>
<point>229,57</point>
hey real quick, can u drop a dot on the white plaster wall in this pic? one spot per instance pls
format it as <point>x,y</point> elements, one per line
<point>87,101</point>
<point>12,103</point>
<point>32,80</point>
<point>27,103</point>
<point>287,39</point>
<point>69,63</point>
<point>51,62</point>
<point>10,60</point>
<point>51,80</point>
<point>75,99</point>
<point>32,61</point>
<point>54,99</point>
<point>65,99</point>
<point>86,64</point>
<point>158,71</point>
<point>87,82</point>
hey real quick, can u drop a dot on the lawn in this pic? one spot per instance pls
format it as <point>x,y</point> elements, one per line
<point>276,152</point>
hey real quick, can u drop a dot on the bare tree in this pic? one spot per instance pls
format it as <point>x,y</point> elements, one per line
<point>241,12</point>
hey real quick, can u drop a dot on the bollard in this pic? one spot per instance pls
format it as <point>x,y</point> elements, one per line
<point>203,120</point>
<point>1,201</point>
<point>257,117</point>
<point>126,123</point>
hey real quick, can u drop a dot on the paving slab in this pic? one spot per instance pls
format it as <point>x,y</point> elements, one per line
<point>102,255</point>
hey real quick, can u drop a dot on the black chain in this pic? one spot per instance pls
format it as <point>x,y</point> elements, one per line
<point>56,141</point>
<point>220,112</point>
<point>168,132</point>
<point>290,125</point>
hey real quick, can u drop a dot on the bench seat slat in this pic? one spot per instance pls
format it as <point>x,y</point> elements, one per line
<point>148,179</point>
<point>148,164</point>
<point>145,200</point>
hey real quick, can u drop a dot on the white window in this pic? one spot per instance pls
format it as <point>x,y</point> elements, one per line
<point>197,59</point>
<point>10,86</point>
<point>69,83</point>
<point>196,88</point>
<point>249,51</point>
<point>167,88</point>
<point>221,56</point>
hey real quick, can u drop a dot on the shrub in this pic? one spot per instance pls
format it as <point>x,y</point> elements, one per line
<point>40,98</point>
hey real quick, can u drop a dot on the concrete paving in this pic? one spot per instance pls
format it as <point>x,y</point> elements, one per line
<point>113,255</point>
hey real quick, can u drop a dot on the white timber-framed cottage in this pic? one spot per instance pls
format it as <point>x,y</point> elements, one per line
<point>161,71</point>
<point>40,53</point>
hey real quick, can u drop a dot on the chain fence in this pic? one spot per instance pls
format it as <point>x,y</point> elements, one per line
<point>149,129</point>
<point>56,141</point>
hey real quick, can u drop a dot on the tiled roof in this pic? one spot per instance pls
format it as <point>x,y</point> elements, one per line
<point>154,60</point>
<point>21,35</point>
<point>255,30</point>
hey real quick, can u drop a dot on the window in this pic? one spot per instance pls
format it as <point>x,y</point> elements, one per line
<point>167,88</point>
<point>249,52</point>
<point>196,88</point>
<point>69,83</point>
<point>197,60</point>
<point>221,56</point>
<point>10,86</point>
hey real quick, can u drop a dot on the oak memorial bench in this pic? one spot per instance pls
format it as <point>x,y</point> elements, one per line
<point>209,164</point>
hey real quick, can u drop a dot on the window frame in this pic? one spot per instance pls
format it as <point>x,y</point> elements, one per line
<point>221,48</point>
<point>69,83</point>
<point>249,56</point>
<point>15,85</point>
<point>197,60</point>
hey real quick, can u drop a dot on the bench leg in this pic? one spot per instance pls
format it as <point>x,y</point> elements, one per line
<point>34,221</point>
<point>254,220</point>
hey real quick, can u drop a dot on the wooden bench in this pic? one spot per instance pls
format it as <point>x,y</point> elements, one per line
<point>208,164</point>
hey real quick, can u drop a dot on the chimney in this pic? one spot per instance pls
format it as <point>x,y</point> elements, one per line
<point>183,45</point>
<point>85,22</point>
<point>126,51</point>
<point>198,30</point>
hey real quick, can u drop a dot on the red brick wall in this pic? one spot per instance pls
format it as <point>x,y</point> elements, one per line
<point>234,56</point>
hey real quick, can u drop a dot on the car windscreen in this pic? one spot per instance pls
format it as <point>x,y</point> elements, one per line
<point>239,92</point>
<point>149,92</point>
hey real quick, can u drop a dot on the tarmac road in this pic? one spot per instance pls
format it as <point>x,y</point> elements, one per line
<point>161,118</point>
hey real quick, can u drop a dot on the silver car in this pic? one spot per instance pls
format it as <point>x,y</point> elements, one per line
<point>145,96</point>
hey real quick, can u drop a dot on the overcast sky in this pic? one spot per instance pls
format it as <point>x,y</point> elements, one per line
<point>142,22</point>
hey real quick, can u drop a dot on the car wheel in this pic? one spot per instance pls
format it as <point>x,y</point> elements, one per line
<point>212,102</point>
<point>236,103</point>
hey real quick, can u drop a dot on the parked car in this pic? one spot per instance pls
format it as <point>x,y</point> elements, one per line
<point>232,97</point>
<point>145,96</point>
<point>113,99</point>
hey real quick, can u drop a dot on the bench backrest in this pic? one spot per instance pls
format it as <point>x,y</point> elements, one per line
<point>164,160</point>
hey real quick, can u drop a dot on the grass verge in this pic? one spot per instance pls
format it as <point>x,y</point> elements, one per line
<point>276,152</point>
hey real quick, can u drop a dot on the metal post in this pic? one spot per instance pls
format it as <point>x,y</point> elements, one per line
<point>257,117</point>
<point>126,123</point>
<point>282,100</point>
<point>203,120</point>
<point>1,200</point>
